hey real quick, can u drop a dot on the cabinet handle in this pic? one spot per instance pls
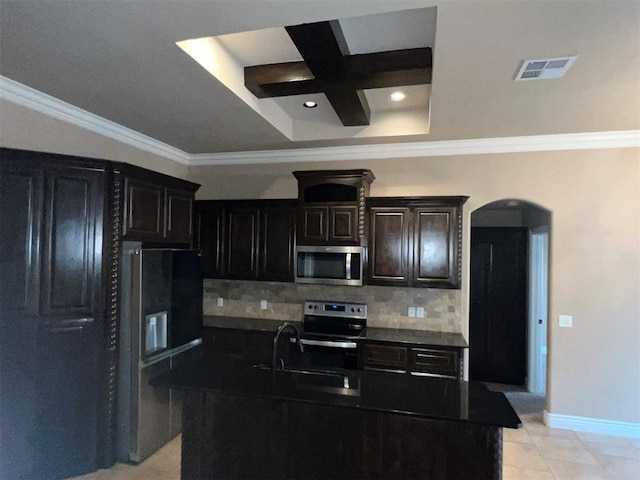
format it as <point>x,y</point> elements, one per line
<point>70,325</point>
<point>66,329</point>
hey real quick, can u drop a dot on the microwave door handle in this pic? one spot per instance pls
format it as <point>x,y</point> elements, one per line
<point>348,266</point>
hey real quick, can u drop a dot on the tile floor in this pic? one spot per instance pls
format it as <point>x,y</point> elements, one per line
<point>532,452</point>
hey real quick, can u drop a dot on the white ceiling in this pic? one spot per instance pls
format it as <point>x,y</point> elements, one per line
<point>119,60</point>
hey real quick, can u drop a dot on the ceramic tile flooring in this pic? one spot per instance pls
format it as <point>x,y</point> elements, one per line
<point>532,452</point>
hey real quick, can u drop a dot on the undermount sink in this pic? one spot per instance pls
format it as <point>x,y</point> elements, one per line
<point>319,380</point>
<point>306,371</point>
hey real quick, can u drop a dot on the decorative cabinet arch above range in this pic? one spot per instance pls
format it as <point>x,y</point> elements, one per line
<point>331,206</point>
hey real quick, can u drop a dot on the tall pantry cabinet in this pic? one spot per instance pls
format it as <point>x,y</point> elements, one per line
<point>61,227</point>
<point>52,307</point>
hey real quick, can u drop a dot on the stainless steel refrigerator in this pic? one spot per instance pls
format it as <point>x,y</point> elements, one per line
<point>160,327</point>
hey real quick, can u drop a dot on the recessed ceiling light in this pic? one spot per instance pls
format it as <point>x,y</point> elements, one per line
<point>310,104</point>
<point>397,96</point>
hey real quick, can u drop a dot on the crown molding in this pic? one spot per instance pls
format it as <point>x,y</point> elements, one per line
<point>35,100</point>
<point>536,143</point>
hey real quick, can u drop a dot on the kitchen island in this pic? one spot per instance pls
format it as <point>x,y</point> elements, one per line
<point>247,421</point>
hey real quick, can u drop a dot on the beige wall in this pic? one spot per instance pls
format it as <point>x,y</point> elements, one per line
<point>26,129</point>
<point>594,199</point>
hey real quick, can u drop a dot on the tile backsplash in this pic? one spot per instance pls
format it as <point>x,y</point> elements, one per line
<point>387,305</point>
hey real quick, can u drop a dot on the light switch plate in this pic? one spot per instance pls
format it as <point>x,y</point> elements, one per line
<point>411,312</point>
<point>263,304</point>
<point>566,321</point>
<point>220,301</point>
<point>420,312</point>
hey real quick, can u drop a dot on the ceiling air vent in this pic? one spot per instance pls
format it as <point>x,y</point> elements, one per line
<point>544,68</point>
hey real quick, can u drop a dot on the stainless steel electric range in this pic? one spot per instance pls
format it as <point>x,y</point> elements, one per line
<point>330,333</point>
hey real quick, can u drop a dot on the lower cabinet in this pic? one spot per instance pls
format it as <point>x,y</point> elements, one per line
<point>67,398</point>
<point>414,359</point>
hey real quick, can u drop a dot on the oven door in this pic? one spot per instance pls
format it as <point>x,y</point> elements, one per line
<point>324,353</point>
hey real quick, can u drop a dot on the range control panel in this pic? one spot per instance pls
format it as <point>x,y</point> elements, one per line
<point>336,309</point>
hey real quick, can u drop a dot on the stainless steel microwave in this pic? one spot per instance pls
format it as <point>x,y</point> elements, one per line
<point>329,265</point>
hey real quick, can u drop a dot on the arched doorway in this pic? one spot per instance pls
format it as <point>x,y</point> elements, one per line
<point>508,294</point>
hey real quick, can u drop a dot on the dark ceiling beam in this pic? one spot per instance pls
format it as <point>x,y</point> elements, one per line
<point>324,50</point>
<point>373,70</point>
<point>322,46</point>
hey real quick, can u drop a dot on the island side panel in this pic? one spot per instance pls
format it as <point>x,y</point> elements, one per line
<point>233,437</point>
<point>243,437</point>
<point>399,446</point>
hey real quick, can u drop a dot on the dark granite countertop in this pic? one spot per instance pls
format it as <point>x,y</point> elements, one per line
<point>393,335</point>
<point>423,397</point>
<point>242,323</point>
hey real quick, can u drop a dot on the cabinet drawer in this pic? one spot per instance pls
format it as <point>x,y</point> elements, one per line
<point>434,362</point>
<point>385,357</point>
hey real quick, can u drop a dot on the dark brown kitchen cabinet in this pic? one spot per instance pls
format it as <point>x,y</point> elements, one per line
<point>313,225</point>
<point>144,210</point>
<point>242,243</point>
<point>157,208</point>
<point>389,246</point>
<point>415,241</point>
<point>277,241</point>
<point>73,218</point>
<point>331,224</point>
<point>331,206</point>
<point>209,237</point>
<point>246,239</point>
<point>67,397</point>
<point>179,215</point>
<point>52,314</point>
<point>416,359</point>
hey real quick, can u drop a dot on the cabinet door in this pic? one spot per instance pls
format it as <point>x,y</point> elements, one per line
<point>67,392</point>
<point>178,214</point>
<point>72,244</point>
<point>435,362</point>
<point>436,247</point>
<point>242,243</point>
<point>343,224</point>
<point>389,246</point>
<point>384,357</point>
<point>209,239</point>
<point>277,226</point>
<point>312,225</point>
<point>144,211</point>
<point>21,199</point>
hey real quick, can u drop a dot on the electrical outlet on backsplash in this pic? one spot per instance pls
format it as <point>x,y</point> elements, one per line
<point>387,306</point>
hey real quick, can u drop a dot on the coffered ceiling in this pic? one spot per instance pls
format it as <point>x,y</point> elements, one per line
<point>121,60</point>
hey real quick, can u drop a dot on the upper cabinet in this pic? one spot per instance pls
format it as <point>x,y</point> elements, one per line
<point>331,206</point>
<point>246,239</point>
<point>415,242</point>
<point>157,208</point>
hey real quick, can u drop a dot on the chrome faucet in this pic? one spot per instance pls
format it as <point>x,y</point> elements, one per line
<point>275,343</point>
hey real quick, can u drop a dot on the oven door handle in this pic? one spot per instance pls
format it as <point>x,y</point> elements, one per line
<point>327,343</point>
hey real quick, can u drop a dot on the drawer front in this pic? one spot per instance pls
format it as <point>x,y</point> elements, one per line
<point>385,357</point>
<point>435,362</point>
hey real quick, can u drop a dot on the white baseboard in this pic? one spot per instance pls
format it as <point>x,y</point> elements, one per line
<point>592,425</point>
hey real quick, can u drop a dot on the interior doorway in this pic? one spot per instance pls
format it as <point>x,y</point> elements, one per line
<point>508,294</point>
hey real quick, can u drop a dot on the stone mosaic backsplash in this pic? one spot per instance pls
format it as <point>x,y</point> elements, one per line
<point>387,305</point>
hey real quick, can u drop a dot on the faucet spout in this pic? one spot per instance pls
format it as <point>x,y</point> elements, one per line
<point>281,328</point>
